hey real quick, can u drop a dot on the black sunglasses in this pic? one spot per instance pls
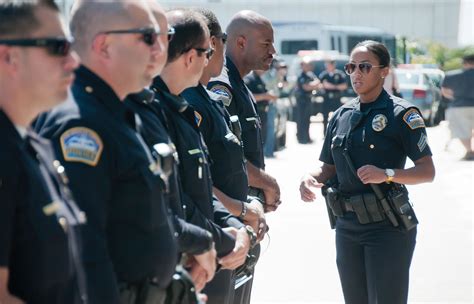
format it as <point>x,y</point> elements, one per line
<point>222,36</point>
<point>171,32</point>
<point>149,34</point>
<point>57,46</point>
<point>364,67</point>
<point>209,51</point>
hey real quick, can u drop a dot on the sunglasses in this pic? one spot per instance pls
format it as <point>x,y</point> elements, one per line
<point>209,51</point>
<point>58,46</point>
<point>222,36</point>
<point>364,67</point>
<point>149,34</point>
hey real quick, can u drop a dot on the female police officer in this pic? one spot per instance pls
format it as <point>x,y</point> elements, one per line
<point>366,146</point>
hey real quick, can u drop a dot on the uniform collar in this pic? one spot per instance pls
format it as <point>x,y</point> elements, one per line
<point>8,128</point>
<point>233,71</point>
<point>381,102</point>
<point>89,82</point>
<point>175,102</point>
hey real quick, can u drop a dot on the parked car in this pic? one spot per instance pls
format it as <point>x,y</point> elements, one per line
<point>417,87</point>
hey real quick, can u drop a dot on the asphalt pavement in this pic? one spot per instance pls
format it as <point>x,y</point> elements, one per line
<point>297,264</point>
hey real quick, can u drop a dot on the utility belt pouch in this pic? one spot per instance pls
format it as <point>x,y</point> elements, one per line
<point>334,202</point>
<point>400,203</point>
<point>370,202</point>
<point>357,204</point>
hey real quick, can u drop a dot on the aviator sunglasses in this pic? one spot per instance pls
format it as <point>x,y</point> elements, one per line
<point>55,46</point>
<point>149,34</point>
<point>364,67</point>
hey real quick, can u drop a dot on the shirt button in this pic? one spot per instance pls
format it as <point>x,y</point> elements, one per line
<point>89,89</point>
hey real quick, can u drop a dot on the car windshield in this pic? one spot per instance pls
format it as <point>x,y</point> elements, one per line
<point>407,77</point>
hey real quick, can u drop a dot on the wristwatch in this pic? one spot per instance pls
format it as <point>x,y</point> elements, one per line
<point>252,235</point>
<point>243,212</point>
<point>390,173</point>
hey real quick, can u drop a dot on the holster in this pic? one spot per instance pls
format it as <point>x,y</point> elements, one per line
<point>181,289</point>
<point>400,203</point>
<point>143,292</point>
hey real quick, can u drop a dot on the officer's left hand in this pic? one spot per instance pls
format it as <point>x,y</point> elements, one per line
<point>369,174</point>
<point>199,276</point>
<point>239,254</point>
<point>272,196</point>
<point>255,217</point>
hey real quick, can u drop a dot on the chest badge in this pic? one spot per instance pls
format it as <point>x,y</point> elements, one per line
<point>379,122</point>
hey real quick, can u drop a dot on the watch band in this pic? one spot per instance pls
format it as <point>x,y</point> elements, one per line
<point>243,213</point>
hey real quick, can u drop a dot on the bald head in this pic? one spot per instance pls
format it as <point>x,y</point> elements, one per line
<point>250,42</point>
<point>90,17</point>
<point>244,22</point>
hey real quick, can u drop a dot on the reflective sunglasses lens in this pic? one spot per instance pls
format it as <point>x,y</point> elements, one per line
<point>365,67</point>
<point>349,68</point>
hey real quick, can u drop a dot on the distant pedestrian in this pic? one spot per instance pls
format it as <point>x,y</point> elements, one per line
<point>334,83</point>
<point>307,83</point>
<point>458,87</point>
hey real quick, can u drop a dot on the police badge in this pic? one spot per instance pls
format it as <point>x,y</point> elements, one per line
<point>379,122</point>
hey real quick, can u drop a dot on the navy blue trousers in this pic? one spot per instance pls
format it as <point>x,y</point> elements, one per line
<point>373,261</point>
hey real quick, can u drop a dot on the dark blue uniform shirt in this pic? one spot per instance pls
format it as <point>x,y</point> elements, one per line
<point>191,238</point>
<point>37,225</point>
<point>129,236</point>
<point>228,169</point>
<point>241,102</point>
<point>304,78</point>
<point>194,170</point>
<point>336,77</point>
<point>391,130</point>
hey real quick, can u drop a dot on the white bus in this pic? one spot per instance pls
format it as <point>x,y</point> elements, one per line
<point>291,37</point>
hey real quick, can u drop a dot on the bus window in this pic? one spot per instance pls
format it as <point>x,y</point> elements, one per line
<point>333,43</point>
<point>289,47</point>
<point>339,44</point>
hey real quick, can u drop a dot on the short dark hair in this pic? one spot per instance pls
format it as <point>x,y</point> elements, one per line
<point>469,59</point>
<point>211,20</point>
<point>17,17</point>
<point>190,32</point>
<point>378,49</point>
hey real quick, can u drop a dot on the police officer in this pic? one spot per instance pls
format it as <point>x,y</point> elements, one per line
<point>196,243</point>
<point>187,55</point>
<point>307,82</point>
<point>228,170</point>
<point>130,249</point>
<point>262,96</point>
<point>39,242</point>
<point>334,83</point>
<point>374,134</point>
<point>249,47</point>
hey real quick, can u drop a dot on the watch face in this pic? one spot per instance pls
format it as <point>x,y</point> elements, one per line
<point>390,172</point>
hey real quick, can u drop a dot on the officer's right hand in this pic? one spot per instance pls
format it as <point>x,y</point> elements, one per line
<point>307,187</point>
<point>207,260</point>
<point>239,254</point>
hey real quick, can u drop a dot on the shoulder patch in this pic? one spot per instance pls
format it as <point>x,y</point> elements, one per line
<point>413,119</point>
<point>224,93</point>
<point>198,118</point>
<point>81,145</point>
